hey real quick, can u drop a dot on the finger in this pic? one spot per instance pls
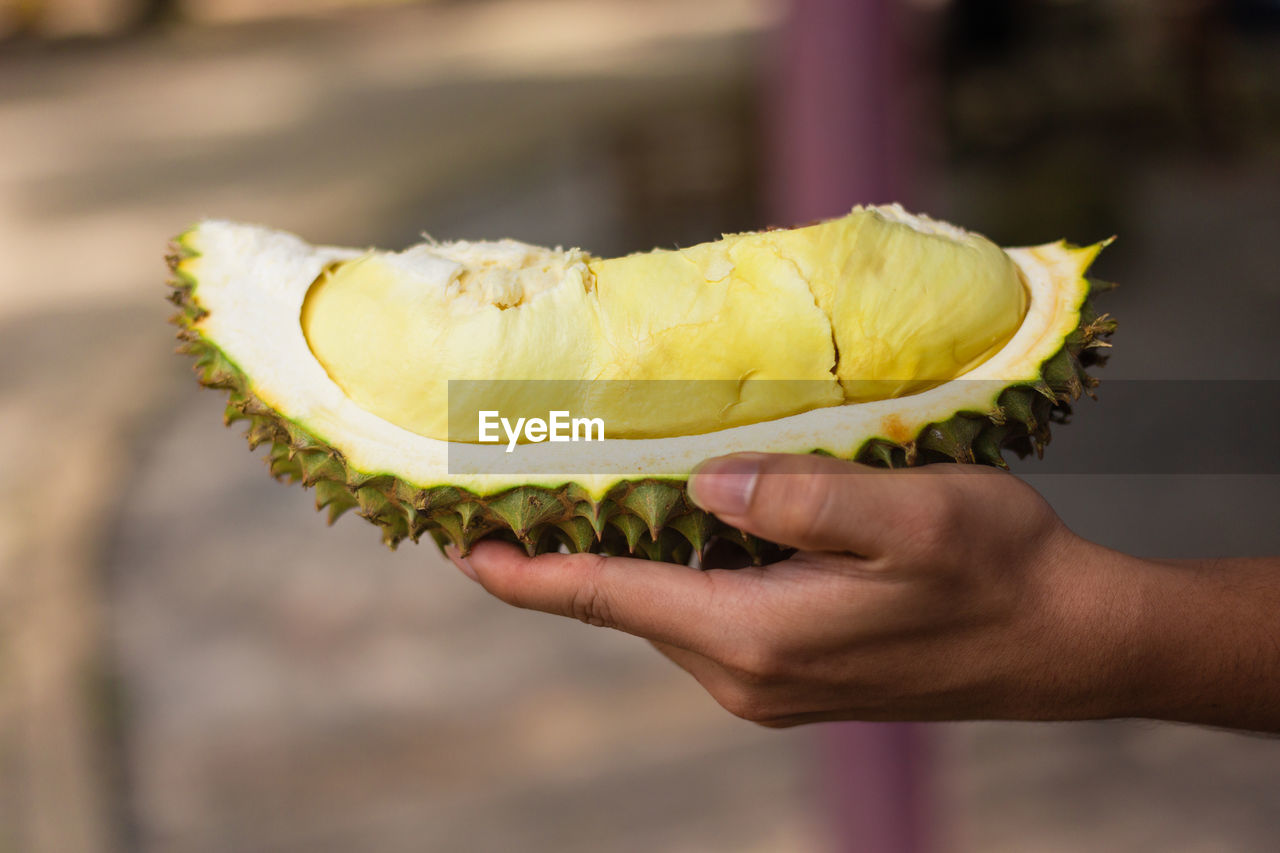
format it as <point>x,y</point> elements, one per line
<point>723,685</point>
<point>757,703</point>
<point>817,503</point>
<point>658,601</point>
<point>707,672</point>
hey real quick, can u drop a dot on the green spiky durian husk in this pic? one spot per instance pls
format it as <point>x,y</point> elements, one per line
<point>651,518</point>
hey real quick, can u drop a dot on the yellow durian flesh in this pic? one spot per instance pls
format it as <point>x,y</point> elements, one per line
<point>913,302</point>
<point>867,306</point>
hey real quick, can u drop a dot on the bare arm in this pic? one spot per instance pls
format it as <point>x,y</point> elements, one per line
<point>1211,642</point>
<point>943,593</point>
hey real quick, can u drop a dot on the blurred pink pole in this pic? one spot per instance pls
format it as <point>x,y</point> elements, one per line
<point>840,105</point>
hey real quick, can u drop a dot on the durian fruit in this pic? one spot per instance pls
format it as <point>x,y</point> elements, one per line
<point>880,336</point>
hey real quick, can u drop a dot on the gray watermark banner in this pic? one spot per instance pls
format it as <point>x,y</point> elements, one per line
<point>580,428</point>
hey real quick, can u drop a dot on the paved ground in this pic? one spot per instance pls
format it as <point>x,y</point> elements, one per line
<point>278,686</point>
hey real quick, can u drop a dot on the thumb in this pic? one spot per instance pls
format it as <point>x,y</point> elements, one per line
<point>658,601</point>
<point>811,502</point>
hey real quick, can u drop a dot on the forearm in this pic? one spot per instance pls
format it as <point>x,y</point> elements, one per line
<point>1201,639</point>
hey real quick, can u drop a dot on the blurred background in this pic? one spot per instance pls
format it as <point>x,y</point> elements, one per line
<point>190,661</point>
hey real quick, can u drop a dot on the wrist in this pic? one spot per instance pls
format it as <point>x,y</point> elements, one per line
<point>1104,608</point>
<point>1212,643</point>
<point>1192,641</point>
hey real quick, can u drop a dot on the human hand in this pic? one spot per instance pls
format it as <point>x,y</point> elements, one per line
<point>945,592</point>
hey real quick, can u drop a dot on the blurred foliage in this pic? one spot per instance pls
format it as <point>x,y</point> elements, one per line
<point>1058,105</point>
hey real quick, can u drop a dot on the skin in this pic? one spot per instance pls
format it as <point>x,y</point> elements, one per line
<point>942,593</point>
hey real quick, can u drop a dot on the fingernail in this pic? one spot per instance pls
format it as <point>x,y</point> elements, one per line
<point>463,564</point>
<point>725,485</point>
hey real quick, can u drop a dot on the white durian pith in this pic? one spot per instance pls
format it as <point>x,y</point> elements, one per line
<point>244,289</point>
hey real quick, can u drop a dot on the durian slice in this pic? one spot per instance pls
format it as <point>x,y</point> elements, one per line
<point>913,341</point>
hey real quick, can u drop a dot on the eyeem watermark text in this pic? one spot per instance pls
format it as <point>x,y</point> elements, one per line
<point>558,426</point>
